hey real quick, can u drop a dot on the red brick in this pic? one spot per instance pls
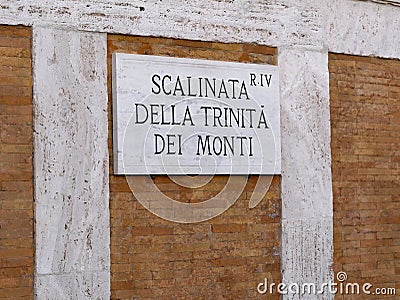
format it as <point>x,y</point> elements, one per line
<point>179,260</point>
<point>364,143</point>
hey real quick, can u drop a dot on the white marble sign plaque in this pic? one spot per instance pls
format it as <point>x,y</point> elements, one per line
<point>189,116</point>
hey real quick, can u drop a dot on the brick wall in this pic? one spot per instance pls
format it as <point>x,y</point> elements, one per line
<point>365,114</point>
<point>16,185</point>
<point>223,258</point>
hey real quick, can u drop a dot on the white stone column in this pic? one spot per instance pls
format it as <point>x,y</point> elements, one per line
<point>71,165</point>
<point>307,208</point>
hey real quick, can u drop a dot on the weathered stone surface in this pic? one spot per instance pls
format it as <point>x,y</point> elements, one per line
<point>356,27</point>
<point>86,285</point>
<point>307,228</point>
<point>363,28</point>
<point>307,255</point>
<point>271,23</point>
<point>305,126</point>
<point>70,163</point>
